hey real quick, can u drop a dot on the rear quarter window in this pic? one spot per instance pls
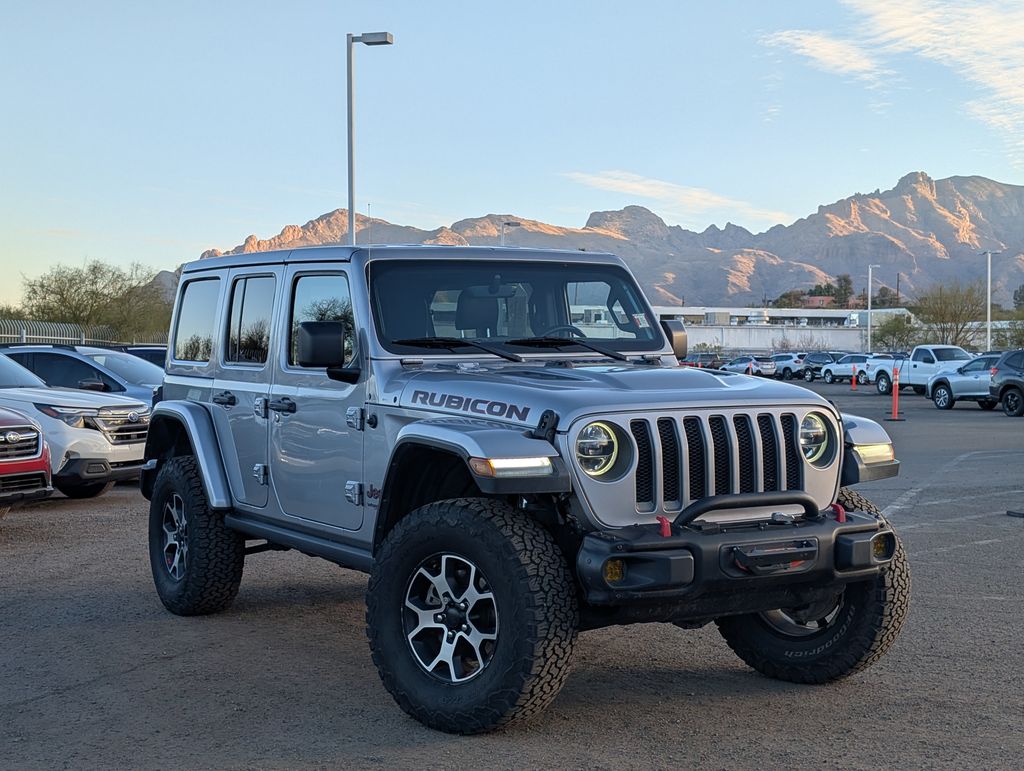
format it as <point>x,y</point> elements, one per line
<point>197,314</point>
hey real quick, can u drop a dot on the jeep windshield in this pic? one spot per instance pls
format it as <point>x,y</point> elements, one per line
<point>520,307</point>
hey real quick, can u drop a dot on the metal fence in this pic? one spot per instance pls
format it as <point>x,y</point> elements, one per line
<point>42,332</point>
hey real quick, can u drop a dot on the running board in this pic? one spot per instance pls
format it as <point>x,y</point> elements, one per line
<point>346,556</point>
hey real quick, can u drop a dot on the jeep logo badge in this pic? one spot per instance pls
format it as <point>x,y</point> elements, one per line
<point>12,437</point>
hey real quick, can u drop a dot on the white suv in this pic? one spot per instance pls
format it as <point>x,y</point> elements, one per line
<point>95,439</point>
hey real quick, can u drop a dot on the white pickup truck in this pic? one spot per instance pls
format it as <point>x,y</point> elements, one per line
<point>924,361</point>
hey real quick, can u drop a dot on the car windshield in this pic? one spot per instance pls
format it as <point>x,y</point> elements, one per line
<point>131,368</point>
<point>951,354</point>
<point>13,375</point>
<point>520,306</point>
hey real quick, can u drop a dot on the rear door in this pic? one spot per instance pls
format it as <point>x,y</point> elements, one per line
<point>316,436</point>
<point>241,388</point>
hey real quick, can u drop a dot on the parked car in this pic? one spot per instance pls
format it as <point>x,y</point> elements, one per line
<point>969,382</point>
<point>24,461</point>
<point>1007,383</point>
<point>705,360</point>
<point>789,365</point>
<point>752,365</point>
<point>89,368</point>
<point>842,370</point>
<point>154,354</point>
<point>814,362</point>
<point>924,361</point>
<point>95,439</point>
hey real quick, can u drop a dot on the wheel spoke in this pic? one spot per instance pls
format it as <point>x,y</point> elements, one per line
<point>445,656</point>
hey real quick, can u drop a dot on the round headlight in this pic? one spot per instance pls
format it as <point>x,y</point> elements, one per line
<point>814,438</point>
<point>596,448</point>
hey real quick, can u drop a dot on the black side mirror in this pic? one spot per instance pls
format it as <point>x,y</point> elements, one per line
<point>323,344</point>
<point>92,385</point>
<point>676,334</point>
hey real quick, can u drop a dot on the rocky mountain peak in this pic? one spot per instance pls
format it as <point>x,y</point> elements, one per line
<point>634,222</point>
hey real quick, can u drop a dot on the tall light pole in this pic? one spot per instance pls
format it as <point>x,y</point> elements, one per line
<point>507,224</point>
<point>369,39</point>
<point>870,290</point>
<point>988,300</point>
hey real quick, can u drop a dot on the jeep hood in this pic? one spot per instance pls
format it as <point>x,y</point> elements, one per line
<point>521,392</point>
<point>67,397</point>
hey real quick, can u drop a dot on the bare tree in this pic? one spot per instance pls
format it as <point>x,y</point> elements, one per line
<point>950,312</point>
<point>896,332</point>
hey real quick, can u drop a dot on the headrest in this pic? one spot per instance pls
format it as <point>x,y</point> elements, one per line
<point>476,313</point>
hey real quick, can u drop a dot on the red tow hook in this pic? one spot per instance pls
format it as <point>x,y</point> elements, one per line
<point>666,527</point>
<point>840,512</point>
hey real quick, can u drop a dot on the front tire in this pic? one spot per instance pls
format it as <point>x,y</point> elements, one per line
<point>472,615</point>
<point>943,397</point>
<point>196,559</point>
<point>831,641</point>
<point>84,490</point>
<point>1013,403</point>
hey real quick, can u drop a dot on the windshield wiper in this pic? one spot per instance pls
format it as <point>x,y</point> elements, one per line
<point>558,342</point>
<point>451,343</point>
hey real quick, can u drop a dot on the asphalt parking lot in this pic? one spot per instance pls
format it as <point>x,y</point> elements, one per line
<point>95,673</point>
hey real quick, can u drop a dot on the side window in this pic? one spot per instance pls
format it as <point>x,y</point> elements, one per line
<point>252,302</point>
<point>193,337</point>
<point>321,298</point>
<point>976,365</point>
<point>919,355</point>
<point>1016,361</point>
<point>68,372</point>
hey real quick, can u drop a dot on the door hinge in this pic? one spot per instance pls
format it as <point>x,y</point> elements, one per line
<point>354,418</point>
<point>259,407</point>
<point>259,473</point>
<point>354,493</point>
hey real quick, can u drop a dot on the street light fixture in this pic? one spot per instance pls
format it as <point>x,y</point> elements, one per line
<point>510,224</point>
<point>368,39</point>
<point>870,290</point>
<point>988,301</point>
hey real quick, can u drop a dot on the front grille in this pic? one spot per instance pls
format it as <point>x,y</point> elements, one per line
<point>715,455</point>
<point>22,483</point>
<point>120,429</point>
<point>644,466</point>
<point>26,444</point>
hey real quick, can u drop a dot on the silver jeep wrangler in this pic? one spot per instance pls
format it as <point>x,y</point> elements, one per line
<point>503,440</point>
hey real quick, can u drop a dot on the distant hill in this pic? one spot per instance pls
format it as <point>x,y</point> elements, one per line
<point>928,230</point>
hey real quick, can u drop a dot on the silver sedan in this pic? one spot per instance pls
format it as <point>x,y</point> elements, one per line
<point>966,383</point>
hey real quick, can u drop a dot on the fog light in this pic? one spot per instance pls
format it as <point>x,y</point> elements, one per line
<point>883,547</point>
<point>614,571</point>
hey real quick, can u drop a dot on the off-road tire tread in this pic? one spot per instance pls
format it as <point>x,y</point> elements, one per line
<point>216,554</point>
<point>1020,395</point>
<point>534,679</point>
<point>860,650</point>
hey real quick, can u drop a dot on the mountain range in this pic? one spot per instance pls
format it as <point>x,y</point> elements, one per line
<point>929,231</point>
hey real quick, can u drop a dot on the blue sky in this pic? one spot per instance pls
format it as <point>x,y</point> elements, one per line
<point>153,131</point>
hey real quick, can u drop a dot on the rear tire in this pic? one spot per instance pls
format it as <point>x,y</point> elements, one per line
<point>787,374</point>
<point>943,397</point>
<point>196,559</point>
<point>829,377</point>
<point>84,490</point>
<point>521,609</point>
<point>883,384</point>
<point>862,378</point>
<point>808,376</point>
<point>857,631</point>
<point>1013,402</point>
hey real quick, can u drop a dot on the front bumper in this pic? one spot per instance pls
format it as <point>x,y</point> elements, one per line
<point>712,566</point>
<point>87,470</point>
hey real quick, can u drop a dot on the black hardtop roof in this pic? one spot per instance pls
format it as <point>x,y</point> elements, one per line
<point>364,253</point>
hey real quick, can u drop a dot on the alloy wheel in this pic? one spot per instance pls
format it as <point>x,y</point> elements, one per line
<point>175,528</point>
<point>806,621</point>
<point>450,618</point>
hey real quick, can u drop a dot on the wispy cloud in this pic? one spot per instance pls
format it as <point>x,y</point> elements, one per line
<point>982,42</point>
<point>828,53</point>
<point>690,204</point>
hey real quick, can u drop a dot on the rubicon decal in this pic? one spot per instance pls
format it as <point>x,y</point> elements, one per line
<point>468,404</point>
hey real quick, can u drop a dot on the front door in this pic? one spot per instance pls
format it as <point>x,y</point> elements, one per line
<point>316,438</point>
<point>241,387</point>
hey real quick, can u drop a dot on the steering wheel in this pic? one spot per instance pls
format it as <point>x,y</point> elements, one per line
<point>564,327</point>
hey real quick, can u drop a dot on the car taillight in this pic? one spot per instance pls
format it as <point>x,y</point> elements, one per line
<point>992,372</point>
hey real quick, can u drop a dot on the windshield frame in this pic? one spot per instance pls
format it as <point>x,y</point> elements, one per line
<point>657,345</point>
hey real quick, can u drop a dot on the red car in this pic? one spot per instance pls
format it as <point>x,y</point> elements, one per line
<point>24,461</point>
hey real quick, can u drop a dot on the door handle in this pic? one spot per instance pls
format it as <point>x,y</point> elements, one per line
<point>226,398</point>
<point>284,404</point>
